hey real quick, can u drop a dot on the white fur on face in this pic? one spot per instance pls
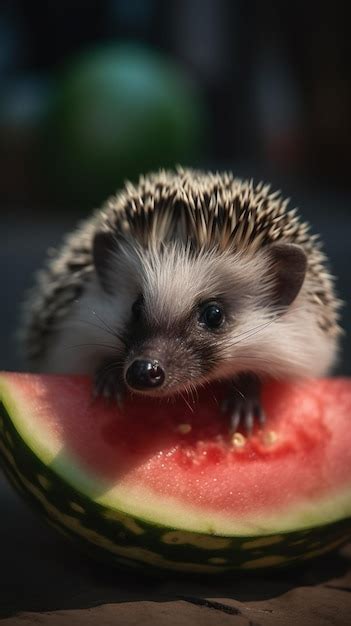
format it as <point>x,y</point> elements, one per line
<point>173,282</point>
<point>284,347</point>
<point>258,339</point>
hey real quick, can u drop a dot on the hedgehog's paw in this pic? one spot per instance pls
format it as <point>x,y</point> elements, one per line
<point>243,405</point>
<point>108,383</point>
<point>243,413</point>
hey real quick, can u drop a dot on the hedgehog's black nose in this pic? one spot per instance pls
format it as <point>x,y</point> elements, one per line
<point>145,374</point>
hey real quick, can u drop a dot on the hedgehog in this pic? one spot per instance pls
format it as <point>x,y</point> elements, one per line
<point>184,279</point>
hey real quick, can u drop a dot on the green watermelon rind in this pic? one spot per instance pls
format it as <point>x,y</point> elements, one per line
<point>123,538</point>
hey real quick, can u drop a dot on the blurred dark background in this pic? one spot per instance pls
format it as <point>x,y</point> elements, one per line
<point>92,93</point>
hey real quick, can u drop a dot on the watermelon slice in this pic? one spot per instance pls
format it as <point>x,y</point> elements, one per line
<point>165,484</point>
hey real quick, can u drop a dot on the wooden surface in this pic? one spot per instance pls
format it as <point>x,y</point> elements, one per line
<point>45,581</point>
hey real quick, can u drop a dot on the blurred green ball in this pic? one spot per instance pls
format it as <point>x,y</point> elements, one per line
<point>117,112</point>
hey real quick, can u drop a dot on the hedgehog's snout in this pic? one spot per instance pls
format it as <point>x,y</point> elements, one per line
<point>161,365</point>
<point>145,374</point>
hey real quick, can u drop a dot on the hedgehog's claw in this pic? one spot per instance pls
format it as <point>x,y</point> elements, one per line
<point>244,413</point>
<point>243,405</point>
<point>107,384</point>
<point>234,423</point>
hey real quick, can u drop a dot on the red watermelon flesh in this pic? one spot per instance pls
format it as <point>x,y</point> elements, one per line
<point>178,460</point>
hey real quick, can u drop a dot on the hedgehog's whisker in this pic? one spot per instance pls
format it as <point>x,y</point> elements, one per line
<point>110,365</point>
<point>108,328</point>
<point>110,332</point>
<point>190,393</point>
<point>194,391</point>
<point>238,390</point>
<point>253,331</point>
<point>256,328</point>
<point>106,369</point>
<point>186,401</point>
<point>86,345</point>
<point>102,377</point>
<point>81,321</point>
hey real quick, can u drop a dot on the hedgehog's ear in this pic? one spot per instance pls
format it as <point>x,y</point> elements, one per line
<point>289,263</point>
<point>104,244</point>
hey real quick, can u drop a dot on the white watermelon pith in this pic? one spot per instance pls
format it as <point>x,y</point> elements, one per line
<point>164,484</point>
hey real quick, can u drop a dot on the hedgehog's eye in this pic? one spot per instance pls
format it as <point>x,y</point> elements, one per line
<point>137,307</point>
<point>212,315</point>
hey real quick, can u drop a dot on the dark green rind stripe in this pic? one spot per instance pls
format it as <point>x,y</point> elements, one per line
<point>126,540</point>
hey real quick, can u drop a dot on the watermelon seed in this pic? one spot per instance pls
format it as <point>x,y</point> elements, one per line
<point>270,437</point>
<point>238,440</point>
<point>184,429</point>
